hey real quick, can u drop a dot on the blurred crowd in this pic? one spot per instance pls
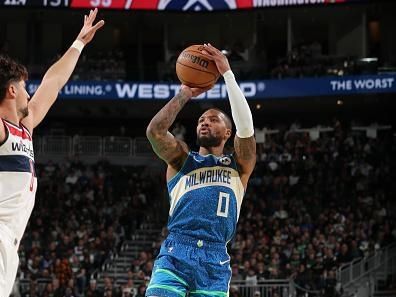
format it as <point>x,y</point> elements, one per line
<point>303,60</point>
<point>307,60</point>
<point>81,216</point>
<point>98,66</point>
<point>313,204</point>
<point>101,65</point>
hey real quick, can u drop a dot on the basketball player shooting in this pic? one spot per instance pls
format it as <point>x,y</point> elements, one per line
<point>19,116</point>
<point>206,189</point>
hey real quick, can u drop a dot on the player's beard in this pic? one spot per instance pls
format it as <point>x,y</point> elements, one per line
<point>208,141</point>
<point>24,112</point>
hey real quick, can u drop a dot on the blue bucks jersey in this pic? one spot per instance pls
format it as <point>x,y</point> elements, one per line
<point>205,198</point>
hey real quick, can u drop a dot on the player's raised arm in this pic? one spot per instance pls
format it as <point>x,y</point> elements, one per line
<point>59,73</point>
<point>244,142</point>
<point>170,149</point>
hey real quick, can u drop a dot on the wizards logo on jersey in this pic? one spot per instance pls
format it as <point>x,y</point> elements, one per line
<point>21,147</point>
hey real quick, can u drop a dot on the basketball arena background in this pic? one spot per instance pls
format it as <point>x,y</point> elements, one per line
<point>319,215</point>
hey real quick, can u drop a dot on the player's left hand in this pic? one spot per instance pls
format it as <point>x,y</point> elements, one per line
<point>88,30</point>
<point>194,92</point>
<point>216,56</point>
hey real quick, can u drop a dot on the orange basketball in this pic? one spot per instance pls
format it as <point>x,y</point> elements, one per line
<point>194,69</point>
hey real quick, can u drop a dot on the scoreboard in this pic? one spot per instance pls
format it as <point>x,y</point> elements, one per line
<point>34,3</point>
<point>181,5</point>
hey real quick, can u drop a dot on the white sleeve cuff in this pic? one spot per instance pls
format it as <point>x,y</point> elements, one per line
<point>228,75</point>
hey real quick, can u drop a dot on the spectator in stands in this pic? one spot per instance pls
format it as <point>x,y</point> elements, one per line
<point>344,256</point>
<point>141,291</point>
<point>109,289</point>
<point>330,288</point>
<point>92,290</point>
<point>129,289</point>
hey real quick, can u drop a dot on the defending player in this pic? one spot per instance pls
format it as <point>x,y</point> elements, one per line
<point>206,189</point>
<point>18,117</point>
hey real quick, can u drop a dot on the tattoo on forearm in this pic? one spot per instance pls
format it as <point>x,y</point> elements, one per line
<point>182,100</point>
<point>245,148</point>
<point>163,143</point>
<point>167,115</point>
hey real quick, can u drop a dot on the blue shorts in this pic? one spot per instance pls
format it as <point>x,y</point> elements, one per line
<point>186,264</point>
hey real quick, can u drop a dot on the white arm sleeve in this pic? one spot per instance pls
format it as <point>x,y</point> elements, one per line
<point>240,110</point>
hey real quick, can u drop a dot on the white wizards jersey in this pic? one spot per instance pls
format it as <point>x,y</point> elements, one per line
<point>18,181</point>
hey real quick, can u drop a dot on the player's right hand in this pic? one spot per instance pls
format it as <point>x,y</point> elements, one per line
<point>216,56</point>
<point>88,30</point>
<point>193,92</point>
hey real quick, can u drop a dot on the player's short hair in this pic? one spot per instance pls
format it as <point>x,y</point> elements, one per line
<point>10,70</point>
<point>226,117</point>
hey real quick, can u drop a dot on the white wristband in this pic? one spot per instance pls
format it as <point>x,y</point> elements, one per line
<point>78,45</point>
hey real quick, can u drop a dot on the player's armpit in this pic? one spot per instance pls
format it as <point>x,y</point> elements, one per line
<point>245,156</point>
<point>28,121</point>
<point>170,149</point>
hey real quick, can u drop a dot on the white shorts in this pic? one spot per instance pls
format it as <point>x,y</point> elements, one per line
<point>9,260</point>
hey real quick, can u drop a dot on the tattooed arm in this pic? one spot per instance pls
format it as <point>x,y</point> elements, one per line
<point>245,151</point>
<point>170,149</point>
